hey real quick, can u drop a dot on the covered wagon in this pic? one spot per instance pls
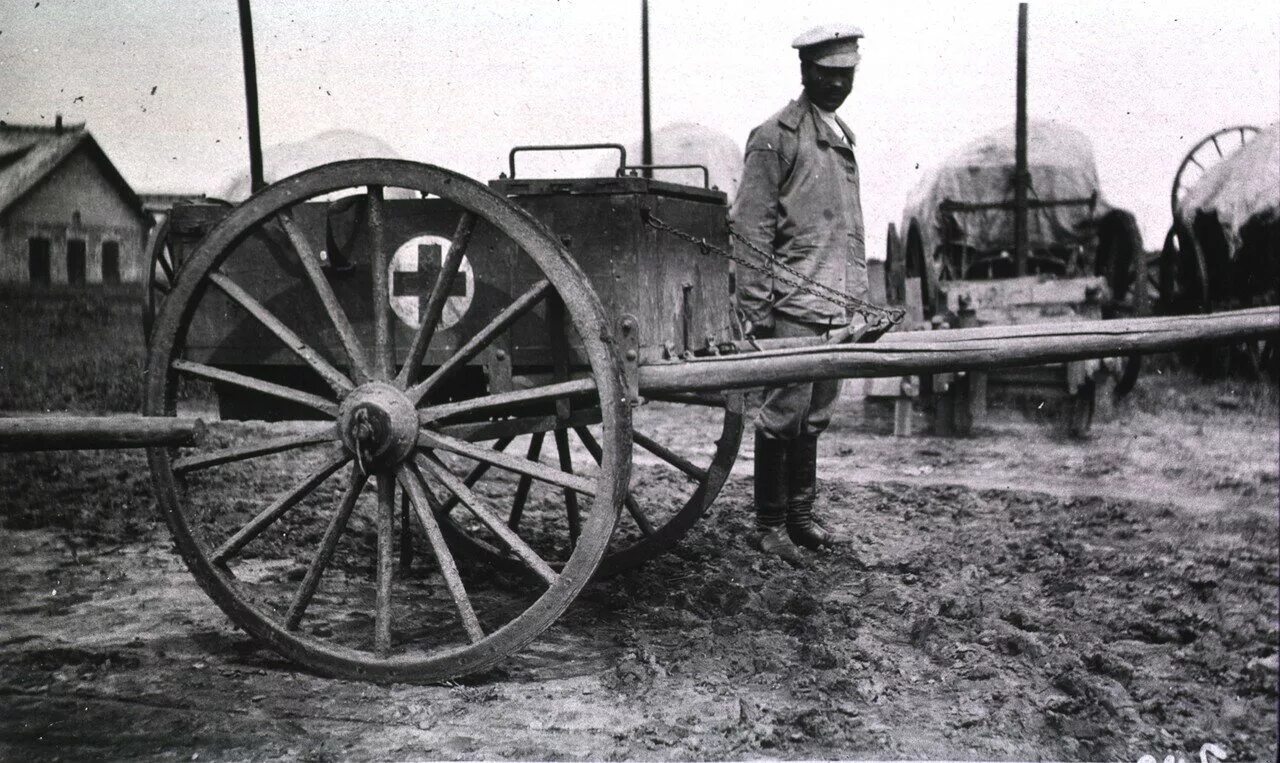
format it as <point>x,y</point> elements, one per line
<point>955,261</point>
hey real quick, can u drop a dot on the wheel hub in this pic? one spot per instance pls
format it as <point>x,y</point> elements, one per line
<point>378,424</point>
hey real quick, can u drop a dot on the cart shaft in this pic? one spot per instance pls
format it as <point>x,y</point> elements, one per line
<point>923,352</point>
<point>96,432</point>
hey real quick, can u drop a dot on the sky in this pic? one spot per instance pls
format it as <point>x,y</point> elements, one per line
<point>160,84</point>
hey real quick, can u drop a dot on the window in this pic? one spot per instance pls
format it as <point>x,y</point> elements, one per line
<point>110,262</point>
<point>75,260</point>
<point>38,261</point>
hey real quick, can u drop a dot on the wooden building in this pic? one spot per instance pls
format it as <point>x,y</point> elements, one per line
<point>66,214</point>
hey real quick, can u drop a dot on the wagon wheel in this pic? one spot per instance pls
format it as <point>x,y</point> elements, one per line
<point>272,518</point>
<point>1184,283</point>
<point>915,260</point>
<point>1122,261</point>
<point>675,477</point>
<point>1208,152</point>
<point>895,286</point>
<point>162,266</point>
<point>1080,409</point>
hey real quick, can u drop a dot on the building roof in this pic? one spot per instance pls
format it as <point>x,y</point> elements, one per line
<point>30,153</point>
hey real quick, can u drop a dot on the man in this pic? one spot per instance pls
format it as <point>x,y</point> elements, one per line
<point>799,203</point>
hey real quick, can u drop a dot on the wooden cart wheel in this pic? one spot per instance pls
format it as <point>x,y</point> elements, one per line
<point>290,526</point>
<point>162,266</point>
<point>1081,406</point>
<point>1209,151</point>
<point>917,266</point>
<point>1121,258</point>
<point>895,274</point>
<point>676,475</point>
<point>1184,283</point>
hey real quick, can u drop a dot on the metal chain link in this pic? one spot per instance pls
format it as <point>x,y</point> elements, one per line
<point>874,315</point>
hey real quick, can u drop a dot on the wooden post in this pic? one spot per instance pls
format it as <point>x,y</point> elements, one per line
<point>1021,175</point>
<point>256,181</point>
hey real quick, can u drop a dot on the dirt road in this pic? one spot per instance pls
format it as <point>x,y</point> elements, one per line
<point>1015,595</point>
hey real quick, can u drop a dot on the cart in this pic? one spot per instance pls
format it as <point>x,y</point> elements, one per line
<point>1222,250</point>
<point>374,500</point>
<point>957,252</point>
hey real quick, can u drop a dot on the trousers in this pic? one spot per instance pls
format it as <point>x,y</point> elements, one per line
<point>797,410</point>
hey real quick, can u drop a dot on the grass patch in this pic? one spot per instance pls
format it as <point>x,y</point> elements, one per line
<point>65,349</point>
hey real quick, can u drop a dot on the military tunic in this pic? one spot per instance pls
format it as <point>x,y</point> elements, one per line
<point>799,200</point>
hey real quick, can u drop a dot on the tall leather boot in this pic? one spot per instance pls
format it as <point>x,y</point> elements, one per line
<point>771,499</point>
<point>802,484</point>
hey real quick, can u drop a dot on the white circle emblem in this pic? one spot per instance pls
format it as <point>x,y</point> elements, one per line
<point>414,269</point>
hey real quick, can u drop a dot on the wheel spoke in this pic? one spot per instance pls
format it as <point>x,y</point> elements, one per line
<point>535,469</point>
<point>383,346</point>
<point>229,455</point>
<point>320,283</point>
<point>328,545</point>
<point>671,457</point>
<point>165,266</point>
<point>513,312</point>
<point>335,378</point>
<point>479,431</point>
<point>502,400</point>
<point>424,503</point>
<point>475,474</point>
<point>490,520</point>
<point>385,522</point>
<point>1216,146</point>
<point>257,385</point>
<point>406,535</point>
<point>436,299</point>
<point>163,288</point>
<point>526,482</point>
<point>269,515</point>
<point>570,500</point>
<point>633,507</point>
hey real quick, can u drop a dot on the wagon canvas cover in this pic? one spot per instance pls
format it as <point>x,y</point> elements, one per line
<point>1061,164</point>
<point>1245,184</point>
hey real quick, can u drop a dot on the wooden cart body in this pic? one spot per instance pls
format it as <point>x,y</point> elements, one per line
<point>677,297</point>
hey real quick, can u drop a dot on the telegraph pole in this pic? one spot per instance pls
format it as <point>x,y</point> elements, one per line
<point>646,130</point>
<point>1021,175</point>
<point>256,181</point>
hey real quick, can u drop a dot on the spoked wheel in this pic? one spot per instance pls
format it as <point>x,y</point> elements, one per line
<point>162,267</point>
<point>161,274</point>
<point>1184,282</point>
<point>676,473</point>
<point>1121,259</point>
<point>894,269</point>
<point>1209,151</point>
<point>290,526</point>
<point>916,262</point>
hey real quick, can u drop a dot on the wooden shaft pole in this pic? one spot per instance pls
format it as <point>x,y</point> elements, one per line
<point>96,433</point>
<point>957,350</point>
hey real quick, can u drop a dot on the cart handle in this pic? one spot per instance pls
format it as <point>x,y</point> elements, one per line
<point>622,152</point>
<point>706,176</point>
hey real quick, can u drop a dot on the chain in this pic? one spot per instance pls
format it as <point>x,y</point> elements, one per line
<point>874,315</point>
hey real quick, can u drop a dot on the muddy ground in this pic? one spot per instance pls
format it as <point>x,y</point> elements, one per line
<point>1016,595</point>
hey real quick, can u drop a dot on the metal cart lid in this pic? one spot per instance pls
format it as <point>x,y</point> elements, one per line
<point>625,184</point>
